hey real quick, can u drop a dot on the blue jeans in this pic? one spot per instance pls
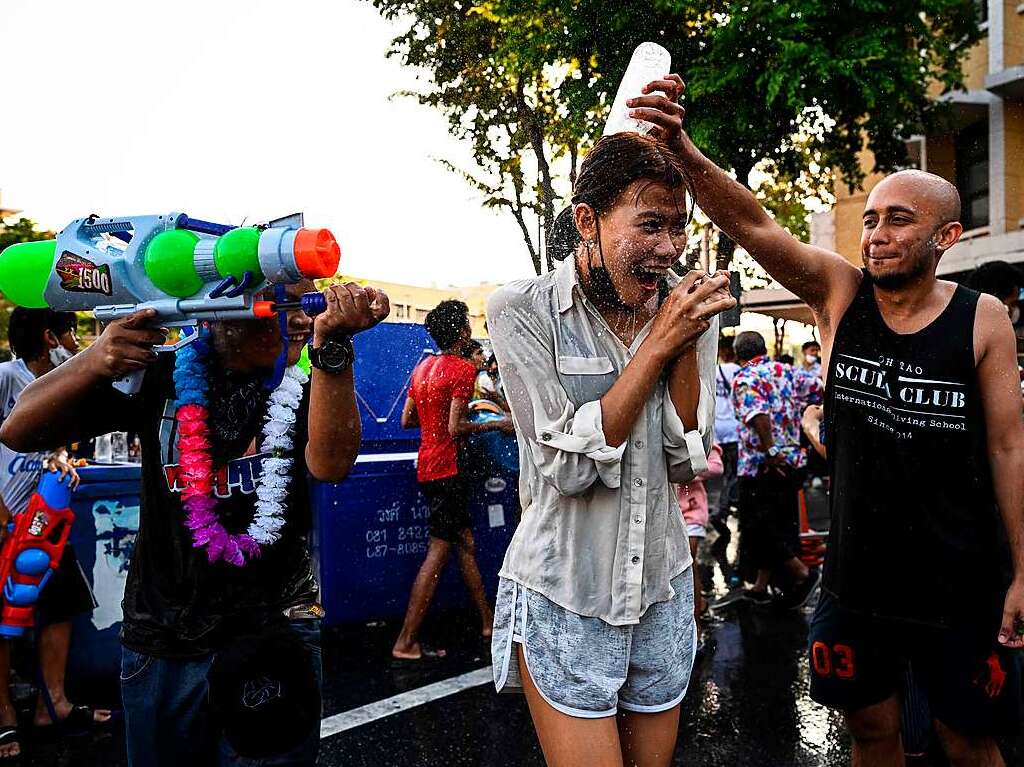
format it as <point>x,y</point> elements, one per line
<point>166,717</point>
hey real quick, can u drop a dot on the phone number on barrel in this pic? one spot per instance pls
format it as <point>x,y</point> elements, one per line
<point>412,539</point>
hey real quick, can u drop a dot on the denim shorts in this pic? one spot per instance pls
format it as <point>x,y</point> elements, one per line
<point>587,668</point>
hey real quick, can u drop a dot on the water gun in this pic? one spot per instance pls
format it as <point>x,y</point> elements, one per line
<point>189,271</point>
<point>32,550</point>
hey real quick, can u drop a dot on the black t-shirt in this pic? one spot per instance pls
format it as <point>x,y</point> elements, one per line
<point>176,603</point>
<point>915,533</point>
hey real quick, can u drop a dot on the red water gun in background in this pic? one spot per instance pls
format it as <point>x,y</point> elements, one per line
<point>32,550</point>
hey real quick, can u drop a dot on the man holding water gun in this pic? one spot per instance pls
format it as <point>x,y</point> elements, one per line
<point>222,552</point>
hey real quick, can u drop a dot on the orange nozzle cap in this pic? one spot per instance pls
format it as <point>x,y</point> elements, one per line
<point>316,253</point>
<point>261,309</point>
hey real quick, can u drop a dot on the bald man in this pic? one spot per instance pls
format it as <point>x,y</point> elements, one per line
<point>926,452</point>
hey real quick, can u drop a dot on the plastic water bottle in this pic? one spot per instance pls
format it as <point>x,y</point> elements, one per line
<point>102,452</point>
<point>119,446</point>
<point>650,62</point>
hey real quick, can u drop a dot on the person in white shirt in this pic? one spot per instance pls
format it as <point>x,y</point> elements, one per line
<point>40,339</point>
<point>607,365</point>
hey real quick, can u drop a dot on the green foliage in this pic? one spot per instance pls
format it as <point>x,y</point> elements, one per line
<point>22,230</point>
<point>797,85</point>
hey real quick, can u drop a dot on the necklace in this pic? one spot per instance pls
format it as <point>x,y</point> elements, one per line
<point>192,413</point>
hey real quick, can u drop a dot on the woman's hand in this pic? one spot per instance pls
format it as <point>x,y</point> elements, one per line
<point>664,112</point>
<point>686,311</point>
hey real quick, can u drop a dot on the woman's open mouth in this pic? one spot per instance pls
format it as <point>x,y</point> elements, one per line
<point>648,275</point>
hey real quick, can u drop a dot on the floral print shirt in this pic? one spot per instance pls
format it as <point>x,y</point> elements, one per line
<point>780,392</point>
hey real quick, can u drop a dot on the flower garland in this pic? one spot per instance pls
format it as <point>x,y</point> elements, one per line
<point>192,413</point>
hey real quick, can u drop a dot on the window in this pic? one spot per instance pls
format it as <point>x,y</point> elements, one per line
<point>972,174</point>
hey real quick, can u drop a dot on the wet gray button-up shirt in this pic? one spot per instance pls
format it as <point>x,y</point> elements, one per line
<point>601,531</point>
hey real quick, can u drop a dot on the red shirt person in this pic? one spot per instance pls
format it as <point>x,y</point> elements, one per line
<point>438,403</point>
<point>436,382</point>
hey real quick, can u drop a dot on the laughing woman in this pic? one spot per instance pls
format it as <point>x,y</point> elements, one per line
<point>600,360</point>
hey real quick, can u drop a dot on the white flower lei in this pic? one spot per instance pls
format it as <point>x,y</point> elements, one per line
<point>278,429</point>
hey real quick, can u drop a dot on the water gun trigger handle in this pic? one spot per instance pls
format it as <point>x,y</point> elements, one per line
<point>131,383</point>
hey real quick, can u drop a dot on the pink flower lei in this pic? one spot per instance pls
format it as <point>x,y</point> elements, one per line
<point>191,387</point>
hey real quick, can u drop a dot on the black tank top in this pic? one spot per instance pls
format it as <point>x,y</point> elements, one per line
<point>915,531</point>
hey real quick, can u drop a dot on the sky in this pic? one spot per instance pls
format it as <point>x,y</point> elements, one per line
<point>239,112</point>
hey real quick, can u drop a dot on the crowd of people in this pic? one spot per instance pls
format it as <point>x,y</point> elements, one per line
<point>641,429</point>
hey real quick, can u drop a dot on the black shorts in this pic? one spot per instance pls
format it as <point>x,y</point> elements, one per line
<point>448,502</point>
<point>66,594</point>
<point>857,660</point>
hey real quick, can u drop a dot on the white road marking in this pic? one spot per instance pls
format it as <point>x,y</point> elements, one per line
<point>356,717</point>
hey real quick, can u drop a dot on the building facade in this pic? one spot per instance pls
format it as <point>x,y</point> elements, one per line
<point>982,153</point>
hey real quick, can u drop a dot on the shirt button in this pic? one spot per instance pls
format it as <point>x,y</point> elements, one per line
<point>639,444</point>
<point>638,519</point>
<point>635,560</point>
<point>638,482</point>
<point>545,436</point>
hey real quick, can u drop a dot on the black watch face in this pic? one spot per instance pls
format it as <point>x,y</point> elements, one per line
<point>334,355</point>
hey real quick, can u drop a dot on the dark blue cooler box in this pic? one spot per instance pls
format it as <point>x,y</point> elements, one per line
<point>106,506</point>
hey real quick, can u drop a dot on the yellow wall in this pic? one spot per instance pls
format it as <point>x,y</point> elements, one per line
<point>976,67</point>
<point>410,303</point>
<point>849,210</point>
<point>1013,34</point>
<point>941,157</point>
<point>1014,116</point>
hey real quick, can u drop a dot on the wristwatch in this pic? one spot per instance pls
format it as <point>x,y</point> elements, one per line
<point>773,451</point>
<point>333,356</point>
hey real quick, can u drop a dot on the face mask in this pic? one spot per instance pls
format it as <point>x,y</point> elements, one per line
<point>1014,314</point>
<point>811,359</point>
<point>58,355</point>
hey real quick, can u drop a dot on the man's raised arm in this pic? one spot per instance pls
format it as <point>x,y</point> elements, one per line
<point>818,276</point>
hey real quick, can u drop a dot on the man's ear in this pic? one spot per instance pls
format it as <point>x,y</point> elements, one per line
<point>51,339</point>
<point>948,235</point>
<point>586,221</point>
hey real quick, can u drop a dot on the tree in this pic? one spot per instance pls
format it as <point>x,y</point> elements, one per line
<point>793,87</point>
<point>22,230</point>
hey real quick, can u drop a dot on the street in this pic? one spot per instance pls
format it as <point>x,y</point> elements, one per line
<point>747,704</point>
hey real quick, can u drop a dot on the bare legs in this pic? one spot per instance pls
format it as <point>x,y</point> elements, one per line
<point>877,743</point>
<point>407,645</point>
<point>626,740</point>
<point>54,644</point>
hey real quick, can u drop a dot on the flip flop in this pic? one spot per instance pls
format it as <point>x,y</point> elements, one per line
<point>80,721</point>
<point>8,737</point>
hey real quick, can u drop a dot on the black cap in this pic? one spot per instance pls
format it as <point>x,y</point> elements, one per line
<point>264,693</point>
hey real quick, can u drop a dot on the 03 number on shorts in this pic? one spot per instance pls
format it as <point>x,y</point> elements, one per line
<point>835,660</point>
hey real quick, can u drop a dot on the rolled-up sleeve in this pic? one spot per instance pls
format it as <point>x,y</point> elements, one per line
<point>567,444</point>
<point>686,451</point>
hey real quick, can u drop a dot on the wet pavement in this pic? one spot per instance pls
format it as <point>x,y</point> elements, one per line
<point>747,705</point>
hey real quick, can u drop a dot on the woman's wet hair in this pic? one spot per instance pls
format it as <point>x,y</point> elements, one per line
<point>606,172</point>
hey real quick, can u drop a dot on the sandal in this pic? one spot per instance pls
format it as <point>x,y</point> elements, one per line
<point>80,721</point>
<point>9,737</point>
